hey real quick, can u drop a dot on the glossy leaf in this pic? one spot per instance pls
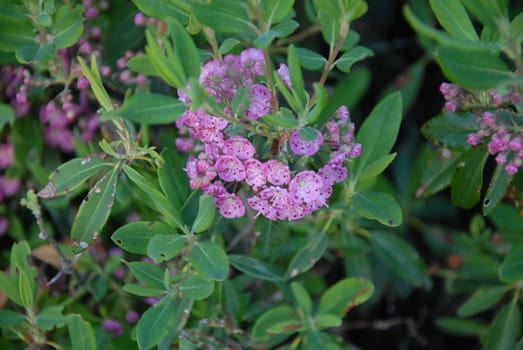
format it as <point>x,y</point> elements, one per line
<point>480,70</point>
<point>196,288</point>
<point>185,49</point>
<point>164,9</point>
<point>274,317</point>
<point>95,209</point>
<point>150,108</point>
<point>451,129</point>
<point>400,257</point>
<point>227,45</point>
<point>171,177</point>
<point>297,83</point>
<point>68,25</point>
<point>280,30</point>
<point>377,167</point>
<point>150,275</point>
<point>165,247</point>
<point>9,318</point>
<point>93,75</point>
<point>81,334</point>
<point>352,56</point>
<point>26,290</point>
<point>135,236</point>
<point>308,255</point>
<point>468,178</point>
<point>488,12</point>
<point>227,16</point>
<point>143,291</point>
<point>142,64</point>
<point>438,174</point>
<point>505,329</point>
<point>345,295</point>
<point>254,267</point>
<point>302,297</point>
<point>210,261</point>
<point>482,299</point>
<point>169,68</point>
<point>496,189</point>
<point>72,174</point>
<point>378,133</point>
<point>461,327</point>
<point>511,270</point>
<point>205,216</point>
<point>322,321</point>
<point>9,285</point>
<point>378,206</point>
<point>155,323</point>
<point>309,59</point>
<point>276,10</point>
<point>453,17</point>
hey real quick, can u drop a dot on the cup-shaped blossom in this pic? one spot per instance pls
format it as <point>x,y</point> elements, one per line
<point>238,147</point>
<point>277,172</point>
<point>230,206</point>
<point>260,98</point>
<point>332,173</point>
<point>254,175</point>
<point>305,187</point>
<point>299,146</point>
<point>230,168</point>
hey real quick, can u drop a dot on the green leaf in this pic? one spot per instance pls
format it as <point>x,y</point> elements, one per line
<point>401,257</point>
<point>7,115</point>
<point>438,173</point>
<point>505,329</point>
<point>143,291</point>
<point>150,275</point>
<point>454,19</point>
<point>488,12</point>
<point>276,10</point>
<point>185,49</point>
<point>164,9</point>
<point>150,108</point>
<point>72,174</point>
<point>479,70</point>
<point>165,247</point>
<point>273,317</point>
<point>352,56</point>
<point>93,75</point>
<point>302,298</point>
<point>205,216</point>
<point>51,317</point>
<point>468,178</point>
<point>482,299</point>
<point>135,236</point>
<point>451,129</point>
<point>9,318</point>
<point>280,30</point>
<point>95,209</point>
<point>378,206</point>
<point>227,45</point>
<point>26,290</point>
<point>322,321</point>
<point>283,121</point>
<point>308,255</point>
<point>345,295</point>
<point>81,334</point>
<point>157,200</point>
<point>377,167</point>
<point>210,261</point>
<point>297,83</point>
<point>142,64</point>
<point>253,267</point>
<point>227,16</point>
<point>9,285</point>
<point>196,288</point>
<point>321,102</point>
<point>496,189</point>
<point>68,26</point>
<point>511,270</point>
<point>35,53</point>
<point>156,323</point>
<point>460,327</point>
<point>378,133</point>
<point>170,176</point>
<point>169,67</point>
<point>310,60</point>
<point>16,32</point>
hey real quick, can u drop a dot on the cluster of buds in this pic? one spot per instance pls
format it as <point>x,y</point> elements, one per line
<point>279,175</point>
<point>496,125</point>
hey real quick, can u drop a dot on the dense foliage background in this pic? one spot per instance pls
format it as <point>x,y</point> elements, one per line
<point>122,225</point>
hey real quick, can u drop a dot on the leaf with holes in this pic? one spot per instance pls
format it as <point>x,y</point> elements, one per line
<point>165,247</point>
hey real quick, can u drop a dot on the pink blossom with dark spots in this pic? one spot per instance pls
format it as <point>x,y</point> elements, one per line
<point>230,206</point>
<point>238,147</point>
<point>276,172</point>
<point>305,186</point>
<point>230,168</point>
<point>302,147</point>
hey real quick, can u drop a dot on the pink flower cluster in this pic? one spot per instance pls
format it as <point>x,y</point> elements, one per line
<point>504,140</point>
<point>281,186</point>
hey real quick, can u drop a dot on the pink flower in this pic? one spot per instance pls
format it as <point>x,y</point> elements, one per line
<point>276,172</point>
<point>332,173</point>
<point>238,147</point>
<point>254,175</point>
<point>283,72</point>
<point>112,326</point>
<point>253,59</point>
<point>6,155</point>
<point>302,147</point>
<point>306,186</point>
<point>230,168</point>
<point>230,206</point>
<point>4,225</point>
<point>140,19</point>
<point>9,186</point>
<point>260,97</point>
<point>132,316</point>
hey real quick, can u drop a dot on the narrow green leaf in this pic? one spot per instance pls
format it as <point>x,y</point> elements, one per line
<point>482,299</point>
<point>302,297</point>
<point>150,275</point>
<point>143,291</point>
<point>185,49</point>
<point>460,327</point>
<point>142,64</point>
<point>401,257</point>
<point>196,288</point>
<point>227,45</point>
<point>496,189</point>
<point>322,321</point>
<point>274,316</point>
<point>9,318</point>
<point>511,270</point>
<point>155,323</point>
<point>309,59</point>
<point>72,174</point>
<point>81,334</point>
<point>378,206</point>
<point>377,167</point>
<point>298,86</point>
<point>205,216</point>
<point>451,129</point>
<point>284,122</point>
<point>227,16</point>
<point>135,236</point>
<point>95,209</point>
<point>210,261</point>
<point>151,108</point>
<point>438,173</point>
<point>378,133</point>
<point>468,178</point>
<point>480,70</point>
<point>9,285</point>
<point>352,56</point>
<point>280,30</point>
<point>454,19</point>
<point>345,295</point>
<point>488,12</point>
<point>308,255</point>
<point>68,26</point>
<point>93,75</point>
<point>165,247</point>
<point>321,102</point>
<point>253,267</point>
<point>505,329</point>
<point>276,10</point>
<point>169,70</point>
<point>171,175</point>
<point>164,9</point>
